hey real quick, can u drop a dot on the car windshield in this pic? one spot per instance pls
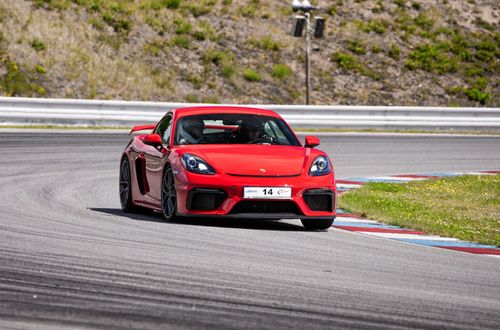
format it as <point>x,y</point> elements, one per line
<point>233,129</point>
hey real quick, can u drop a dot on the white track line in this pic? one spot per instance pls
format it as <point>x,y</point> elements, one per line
<point>354,220</point>
<point>412,236</point>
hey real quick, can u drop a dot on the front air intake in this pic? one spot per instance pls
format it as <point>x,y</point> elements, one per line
<point>320,199</point>
<point>200,199</point>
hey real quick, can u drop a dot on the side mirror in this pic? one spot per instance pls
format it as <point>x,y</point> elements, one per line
<point>153,140</point>
<point>311,142</point>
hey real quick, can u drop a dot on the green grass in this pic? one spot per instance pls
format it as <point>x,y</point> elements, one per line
<point>18,80</point>
<point>378,26</point>
<point>351,62</point>
<point>281,71</point>
<point>182,41</point>
<point>251,75</point>
<point>466,207</point>
<point>356,46</point>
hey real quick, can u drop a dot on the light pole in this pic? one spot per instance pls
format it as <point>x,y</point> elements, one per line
<point>301,22</point>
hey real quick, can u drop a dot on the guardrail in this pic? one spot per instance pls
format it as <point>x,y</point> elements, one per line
<point>27,111</point>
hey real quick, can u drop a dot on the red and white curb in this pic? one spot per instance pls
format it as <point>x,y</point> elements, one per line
<point>355,223</point>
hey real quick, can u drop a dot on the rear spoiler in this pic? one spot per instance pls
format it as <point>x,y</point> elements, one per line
<point>142,128</point>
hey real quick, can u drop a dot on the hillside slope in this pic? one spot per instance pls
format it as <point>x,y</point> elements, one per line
<point>393,52</point>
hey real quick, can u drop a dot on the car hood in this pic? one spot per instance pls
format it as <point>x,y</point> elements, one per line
<point>254,160</point>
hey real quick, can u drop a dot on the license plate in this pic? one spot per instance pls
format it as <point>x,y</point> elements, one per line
<point>267,192</point>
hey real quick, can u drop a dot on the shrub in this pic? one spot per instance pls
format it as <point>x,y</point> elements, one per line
<point>37,45</point>
<point>424,22</point>
<point>475,94</point>
<point>281,71</point>
<point>181,41</point>
<point>376,49</point>
<point>378,26</point>
<point>473,70</point>
<point>416,5</point>
<point>349,62</point>
<point>251,75</point>
<point>183,27</point>
<point>119,24</point>
<point>204,31</point>
<point>345,61</point>
<point>268,43</point>
<point>192,98</point>
<point>40,69</point>
<point>18,81</point>
<point>196,80</point>
<point>331,10</point>
<point>356,47</point>
<point>394,52</point>
<point>53,4</point>
<point>400,3</point>
<point>159,4</point>
<point>250,9</point>
<point>432,58</point>
<point>201,7</point>
<point>379,8</point>
<point>222,59</point>
<point>153,48</point>
<point>227,70</point>
<point>215,56</point>
<point>454,90</point>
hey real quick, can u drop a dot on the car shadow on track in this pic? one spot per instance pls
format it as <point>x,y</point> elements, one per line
<point>206,222</point>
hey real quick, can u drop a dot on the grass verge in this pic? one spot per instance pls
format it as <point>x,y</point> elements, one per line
<point>465,207</point>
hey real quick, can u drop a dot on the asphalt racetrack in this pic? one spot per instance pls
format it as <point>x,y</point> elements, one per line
<point>69,257</point>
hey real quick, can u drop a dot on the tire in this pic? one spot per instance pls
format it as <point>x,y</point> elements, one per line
<point>125,187</point>
<point>168,195</point>
<point>317,224</point>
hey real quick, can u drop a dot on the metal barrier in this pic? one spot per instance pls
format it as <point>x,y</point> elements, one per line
<point>27,111</point>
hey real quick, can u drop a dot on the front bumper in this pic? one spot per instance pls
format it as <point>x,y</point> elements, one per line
<point>221,195</point>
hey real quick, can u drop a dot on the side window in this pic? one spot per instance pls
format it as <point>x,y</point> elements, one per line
<point>272,130</point>
<point>164,128</point>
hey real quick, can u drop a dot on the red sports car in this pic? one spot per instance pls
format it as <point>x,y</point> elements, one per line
<point>232,162</point>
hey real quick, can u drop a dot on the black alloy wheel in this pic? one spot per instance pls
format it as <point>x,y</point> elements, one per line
<point>126,187</point>
<point>169,195</point>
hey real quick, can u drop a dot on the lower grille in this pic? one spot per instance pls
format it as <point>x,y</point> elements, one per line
<point>319,199</point>
<point>266,207</point>
<point>200,199</point>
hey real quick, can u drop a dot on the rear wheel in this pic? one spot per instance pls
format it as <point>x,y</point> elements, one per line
<point>168,195</point>
<point>317,223</point>
<point>126,187</point>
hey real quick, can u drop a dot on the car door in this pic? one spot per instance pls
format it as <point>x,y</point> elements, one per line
<point>154,155</point>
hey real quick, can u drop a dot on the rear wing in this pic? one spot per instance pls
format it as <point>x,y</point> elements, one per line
<point>142,128</point>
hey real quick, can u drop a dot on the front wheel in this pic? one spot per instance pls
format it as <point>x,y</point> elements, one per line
<point>168,195</point>
<point>317,224</point>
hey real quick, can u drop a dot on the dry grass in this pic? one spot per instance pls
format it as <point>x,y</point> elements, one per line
<point>73,57</point>
<point>143,51</point>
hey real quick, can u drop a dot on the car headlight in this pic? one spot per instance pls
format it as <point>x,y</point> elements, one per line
<point>320,166</point>
<point>195,164</point>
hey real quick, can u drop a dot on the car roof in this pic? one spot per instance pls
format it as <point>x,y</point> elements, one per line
<point>198,110</point>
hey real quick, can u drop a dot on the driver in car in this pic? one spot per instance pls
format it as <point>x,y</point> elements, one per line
<point>191,131</point>
<point>251,131</point>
